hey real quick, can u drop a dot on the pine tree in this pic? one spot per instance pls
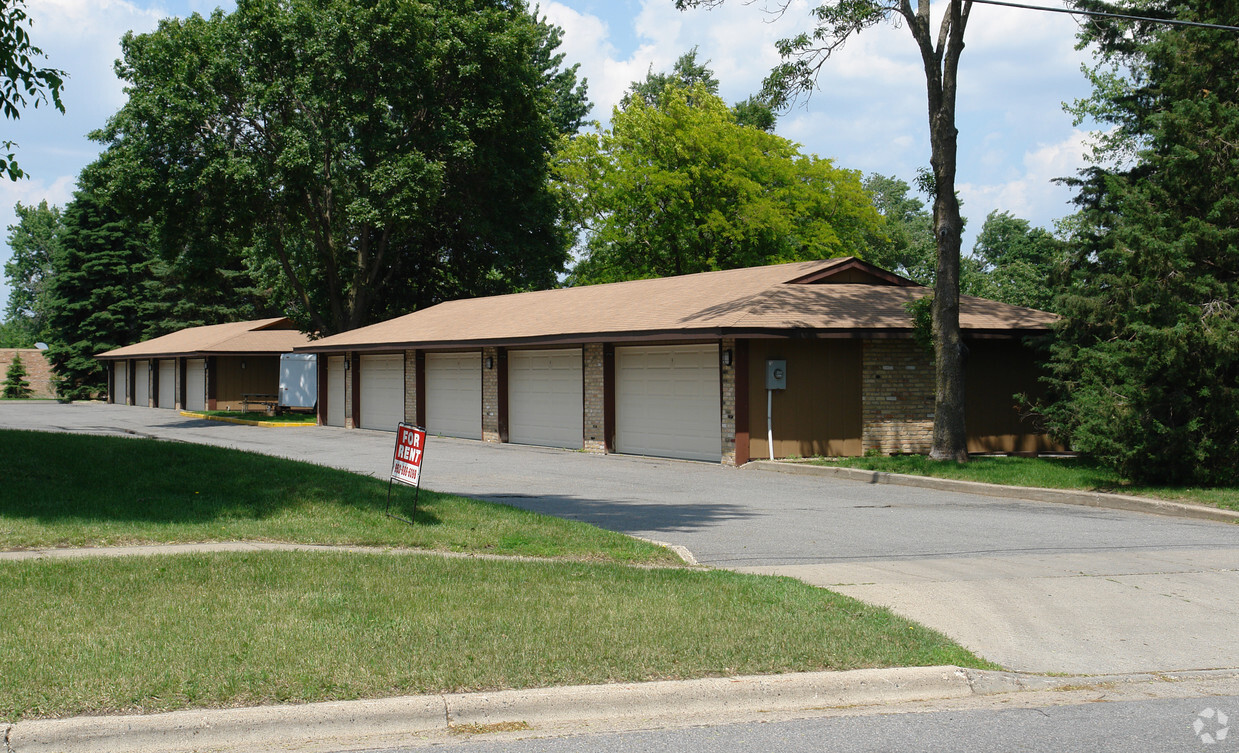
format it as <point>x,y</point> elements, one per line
<point>1147,359</point>
<point>15,385</point>
<point>97,290</point>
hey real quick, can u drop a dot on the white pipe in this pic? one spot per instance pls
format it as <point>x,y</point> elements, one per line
<point>770,422</point>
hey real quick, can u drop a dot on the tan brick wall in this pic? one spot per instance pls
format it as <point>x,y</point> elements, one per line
<point>410,386</point>
<point>38,370</point>
<point>490,395</point>
<point>897,397</point>
<point>727,375</point>
<point>595,398</point>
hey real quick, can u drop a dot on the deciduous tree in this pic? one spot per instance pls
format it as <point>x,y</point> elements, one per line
<point>1016,262</point>
<point>33,242</point>
<point>372,156</point>
<point>679,186</point>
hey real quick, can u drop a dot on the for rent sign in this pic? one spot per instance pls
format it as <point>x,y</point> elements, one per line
<point>407,464</point>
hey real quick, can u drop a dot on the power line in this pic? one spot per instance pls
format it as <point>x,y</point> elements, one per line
<point>1070,12</point>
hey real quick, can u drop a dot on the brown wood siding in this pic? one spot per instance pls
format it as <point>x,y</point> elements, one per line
<point>820,411</point>
<point>996,371</point>
<point>261,375</point>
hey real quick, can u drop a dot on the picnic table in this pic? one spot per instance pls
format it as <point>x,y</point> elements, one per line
<point>259,398</point>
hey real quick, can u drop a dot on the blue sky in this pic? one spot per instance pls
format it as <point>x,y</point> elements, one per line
<point>868,114</point>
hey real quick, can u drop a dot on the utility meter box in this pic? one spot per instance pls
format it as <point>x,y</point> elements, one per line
<point>776,374</point>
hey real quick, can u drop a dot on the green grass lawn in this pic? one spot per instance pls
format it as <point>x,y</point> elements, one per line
<point>75,490</point>
<point>1049,473</point>
<point>167,632</point>
<point>145,634</point>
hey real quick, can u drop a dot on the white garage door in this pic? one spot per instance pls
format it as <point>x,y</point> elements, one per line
<point>335,391</point>
<point>195,384</point>
<point>546,398</point>
<point>382,391</point>
<point>454,394</point>
<point>142,384</point>
<point>120,382</point>
<point>167,384</point>
<point>667,401</point>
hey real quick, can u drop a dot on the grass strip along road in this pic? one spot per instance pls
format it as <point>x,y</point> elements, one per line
<point>209,630</point>
<point>1044,473</point>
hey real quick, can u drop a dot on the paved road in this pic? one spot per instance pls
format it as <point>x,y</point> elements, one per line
<point>1033,586</point>
<point>1166,725</point>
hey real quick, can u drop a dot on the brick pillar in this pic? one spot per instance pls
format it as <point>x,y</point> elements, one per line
<point>727,379</point>
<point>594,419</point>
<point>897,398</point>
<point>490,395</point>
<point>410,387</point>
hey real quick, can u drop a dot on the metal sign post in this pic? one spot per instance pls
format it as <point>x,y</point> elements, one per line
<point>406,466</point>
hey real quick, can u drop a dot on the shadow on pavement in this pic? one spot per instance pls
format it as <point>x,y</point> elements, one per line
<point>627,516</point>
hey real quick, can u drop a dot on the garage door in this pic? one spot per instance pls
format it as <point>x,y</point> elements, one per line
<point>546,398</point>
<point>335,391</point>
<point>382,391</point>
<point>167,384</point>
<point>120,382</point>
<point>195,384</point>
<point>454,394</point>
<point>142,384</point>
<point>667,401</point>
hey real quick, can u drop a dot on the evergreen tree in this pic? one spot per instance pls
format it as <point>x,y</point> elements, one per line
<point>15,385</point>
<point>97,291</point>
<point>1147,359</point>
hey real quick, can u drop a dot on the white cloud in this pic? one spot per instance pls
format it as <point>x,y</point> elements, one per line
<point>83,38</point>
<point>1031,194</point>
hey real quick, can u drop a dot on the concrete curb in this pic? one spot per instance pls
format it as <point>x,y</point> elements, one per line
<point>357,724</point>
<point>341,725</point>
<point>1035,494</point>
<point>245,421</point>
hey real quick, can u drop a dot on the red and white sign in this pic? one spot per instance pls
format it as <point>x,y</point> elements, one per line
<point>407,465</point>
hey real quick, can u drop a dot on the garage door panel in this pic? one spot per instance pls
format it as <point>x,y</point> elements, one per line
<point>335,391</point>
<point>382,391</point>
<point>142,384</point>
<point>454,394</point>
<point>195,384</point>
<point>120,382</point>
<point>167,384</point>
<point>546,398</point>
<point>668,401</point>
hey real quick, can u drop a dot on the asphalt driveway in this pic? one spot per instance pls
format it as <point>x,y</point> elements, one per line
<point>1033,586</point>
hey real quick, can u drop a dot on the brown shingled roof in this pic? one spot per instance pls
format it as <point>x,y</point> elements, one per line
<point>261,336</point>
<point>767,300</point>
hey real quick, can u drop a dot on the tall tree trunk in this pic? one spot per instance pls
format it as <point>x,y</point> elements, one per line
<point>941,61</point>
